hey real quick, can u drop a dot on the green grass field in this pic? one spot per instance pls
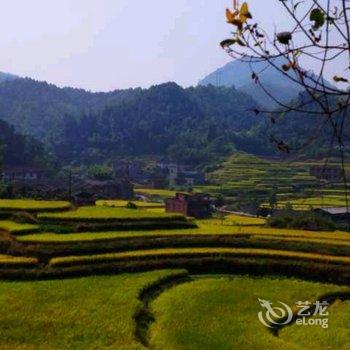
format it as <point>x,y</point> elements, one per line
<point>163,193</point>
<point>221,313</point>
<point>198,252</point>
<point>32,205</point>
<point>8,260</point>
<point>16,228</point>
<point>85,313</point>
<point>209,312</point>
<point>313,202</point>
<point>205,227</point>
<point>123,204</point>
<point>106,213</point>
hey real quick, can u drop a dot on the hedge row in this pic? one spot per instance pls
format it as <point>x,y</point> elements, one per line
<point>47,219</point>
<point>32,206</point>
<point>7,261</point>
<point>171,253</point>
<point>45,251</point>
<point>138,225</point>
<point>327,273</point>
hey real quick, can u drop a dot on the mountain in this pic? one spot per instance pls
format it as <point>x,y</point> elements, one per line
<point>7,77</point>
<point>239,75</point>
<point>35,107</point>
<point>197,125</point>
<point>193,125</point>
<point>20,150</point>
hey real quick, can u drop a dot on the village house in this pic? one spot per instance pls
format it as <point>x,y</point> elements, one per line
<point>80,191</point>
<point>131,171</point>
<point>173,175</point>
<point>13,174</point>
<point>109,189</point>
<point>339,215</point>
<point>190,178</point>
<point>193,205</point>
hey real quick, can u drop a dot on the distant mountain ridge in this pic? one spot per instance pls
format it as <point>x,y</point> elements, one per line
<point>196,125</point>
<point>189,125</point>
<point>7,77</point>
<point>239,75</point>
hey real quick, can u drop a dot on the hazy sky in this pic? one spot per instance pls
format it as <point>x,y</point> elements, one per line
<point>110,44</point>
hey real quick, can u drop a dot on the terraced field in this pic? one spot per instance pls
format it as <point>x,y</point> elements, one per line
<point>89,313</point>
<point>221,313</point>
<point>17,228</point>
<point>183,303</point>
<point>101,213</point>
<point>123,204</point>
<point>165,309</point>
<point>244,175</point>
<point>32,205</point>
<point>313,202</point>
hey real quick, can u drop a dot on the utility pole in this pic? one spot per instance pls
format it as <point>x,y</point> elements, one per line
<point>70,185</point>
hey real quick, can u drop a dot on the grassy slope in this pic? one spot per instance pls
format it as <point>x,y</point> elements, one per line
<point>337,336</point>
<point>32,205</point>
<point>205,227</point>
<point>14,227</point>
<point>243,173</point>
<point>122,203</point>
<point>221,313</point>
<point>176,252</point>
<point>86,313</point>
<point>100,212</point>
<point>10,260</point>
<point>156,192</point>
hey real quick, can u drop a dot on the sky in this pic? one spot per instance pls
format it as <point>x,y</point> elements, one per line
<point>102,45</point>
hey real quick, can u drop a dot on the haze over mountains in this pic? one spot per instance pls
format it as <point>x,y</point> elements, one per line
<point>193,125</point>
<point>239,75</point>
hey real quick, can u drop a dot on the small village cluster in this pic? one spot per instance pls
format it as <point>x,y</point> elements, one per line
<point>81,190</point>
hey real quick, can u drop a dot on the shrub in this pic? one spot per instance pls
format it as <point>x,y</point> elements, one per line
<point>57,228</point>
<point>5,215</point>
<point>24,218</point>
<point>131,205</point>
<point>301,220</point>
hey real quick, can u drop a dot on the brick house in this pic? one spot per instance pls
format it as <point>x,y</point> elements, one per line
<point>196,205</point>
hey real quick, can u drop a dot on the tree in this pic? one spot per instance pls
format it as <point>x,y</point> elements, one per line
<point>319,33</point>
<point>100,172</point>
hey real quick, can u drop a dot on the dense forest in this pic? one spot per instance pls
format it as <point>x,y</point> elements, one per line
<point>19,150</point>
<point>189,125</point>
<point>197,125</point>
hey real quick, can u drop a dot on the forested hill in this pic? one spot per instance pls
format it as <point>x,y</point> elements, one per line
<point>188,125</point>
<point>193,124</point>
<point>196,125</point>
<point>35,108</point>
<point>19,150</point>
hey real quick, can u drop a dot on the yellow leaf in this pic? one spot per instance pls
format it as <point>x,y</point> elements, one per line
<point>244,9</point>
<point>244,13</point>
<point>229,16</point>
